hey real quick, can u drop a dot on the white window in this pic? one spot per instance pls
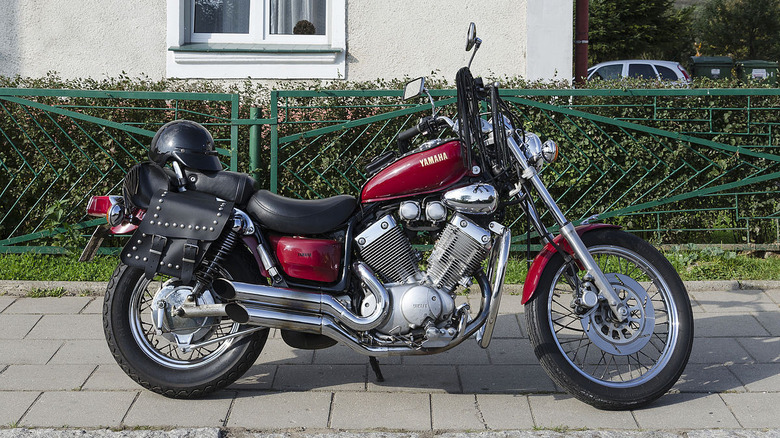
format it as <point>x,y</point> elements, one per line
<point>256,38</point>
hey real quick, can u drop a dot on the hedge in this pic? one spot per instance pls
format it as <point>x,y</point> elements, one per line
<point>40,200</point>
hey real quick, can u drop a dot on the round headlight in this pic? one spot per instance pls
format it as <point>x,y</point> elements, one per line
<point>533,146</point>
<point>533,149</point>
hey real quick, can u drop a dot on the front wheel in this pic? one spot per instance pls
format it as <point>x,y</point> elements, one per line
<point>601,361</point>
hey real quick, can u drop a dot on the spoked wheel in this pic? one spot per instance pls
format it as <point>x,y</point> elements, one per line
<point>187,357</point>
<point>602,361</point>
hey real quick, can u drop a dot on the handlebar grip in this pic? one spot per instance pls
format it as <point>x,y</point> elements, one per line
<point>409,133</point>
<point>405,136</point>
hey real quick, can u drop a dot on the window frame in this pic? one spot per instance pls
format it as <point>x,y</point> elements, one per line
<point>238,56</point>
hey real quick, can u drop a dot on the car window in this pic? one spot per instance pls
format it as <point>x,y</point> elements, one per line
<point>641,71</point>
<point>608,72</point>
<point>666,73</point>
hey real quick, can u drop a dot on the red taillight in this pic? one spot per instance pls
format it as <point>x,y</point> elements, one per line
<point>99,206</point>
<point>684,72</point>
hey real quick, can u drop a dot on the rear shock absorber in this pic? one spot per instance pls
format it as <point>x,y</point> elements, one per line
<point>214,258</point>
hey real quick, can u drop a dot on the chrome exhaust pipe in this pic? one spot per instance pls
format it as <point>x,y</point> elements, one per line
<point>274,317</point>
<point>292,300</point>
<point>190,310</point>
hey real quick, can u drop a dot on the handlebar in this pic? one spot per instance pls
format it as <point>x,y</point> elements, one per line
<point>428,126</point>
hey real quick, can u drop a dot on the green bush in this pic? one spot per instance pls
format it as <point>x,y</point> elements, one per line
<point>57,162</point>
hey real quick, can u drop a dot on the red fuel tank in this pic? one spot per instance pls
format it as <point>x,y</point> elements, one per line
<point>424,172</point>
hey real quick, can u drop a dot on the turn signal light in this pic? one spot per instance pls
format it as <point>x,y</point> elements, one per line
<point>99,205</point>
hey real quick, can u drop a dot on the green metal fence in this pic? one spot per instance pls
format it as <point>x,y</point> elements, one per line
<point>678,166</point>
<point>59,147</point>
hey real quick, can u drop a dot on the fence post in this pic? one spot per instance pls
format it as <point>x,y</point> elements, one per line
<point>234,108</point>
<point>274,141</point>
<point>254,143</point>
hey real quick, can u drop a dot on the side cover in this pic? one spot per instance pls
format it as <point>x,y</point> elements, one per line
<point>175,233</point>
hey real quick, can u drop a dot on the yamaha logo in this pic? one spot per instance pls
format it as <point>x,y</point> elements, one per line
<point>433,159</point>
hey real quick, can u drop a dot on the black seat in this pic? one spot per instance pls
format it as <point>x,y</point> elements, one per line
<point>298,216</point>
<point>230,186</point>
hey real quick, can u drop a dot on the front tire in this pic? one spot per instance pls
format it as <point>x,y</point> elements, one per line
<point>603,362</point>
<point>153,360</point>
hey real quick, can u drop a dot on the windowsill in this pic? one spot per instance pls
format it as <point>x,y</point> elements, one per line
<point>259,61</point>
<point>253,48</point>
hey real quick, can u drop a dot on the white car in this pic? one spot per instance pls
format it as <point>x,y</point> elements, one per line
<point>667,71</point>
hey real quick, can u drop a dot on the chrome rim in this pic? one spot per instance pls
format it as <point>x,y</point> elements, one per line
<point>164,348</point>
<point>603,350</point>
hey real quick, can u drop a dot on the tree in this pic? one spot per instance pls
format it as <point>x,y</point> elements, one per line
<point>626,29</point>
<point>743,29</point>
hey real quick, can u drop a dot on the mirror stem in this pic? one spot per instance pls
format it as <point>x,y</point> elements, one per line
<point>433,104</point>
<point>477,43</point>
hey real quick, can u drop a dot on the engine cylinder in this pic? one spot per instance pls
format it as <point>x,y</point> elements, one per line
<point>461,248</point>
<point>385,248</point>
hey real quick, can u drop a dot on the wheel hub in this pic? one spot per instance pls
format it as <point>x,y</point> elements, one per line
<point>169,324</point>
<point>632,334</point>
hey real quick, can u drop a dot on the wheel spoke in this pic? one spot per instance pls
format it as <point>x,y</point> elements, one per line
<point>647,299</point>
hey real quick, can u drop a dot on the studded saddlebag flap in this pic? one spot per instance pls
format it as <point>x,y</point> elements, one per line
<point>176,232</point>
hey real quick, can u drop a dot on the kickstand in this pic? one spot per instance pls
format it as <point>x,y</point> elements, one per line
<point>375,366</point>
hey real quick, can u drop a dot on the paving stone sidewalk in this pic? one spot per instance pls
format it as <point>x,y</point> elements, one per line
<point>56,372</point>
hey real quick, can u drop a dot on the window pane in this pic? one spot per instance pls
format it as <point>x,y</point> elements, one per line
<point>609,72</point>
<point>641,71</point>
<point>666,74</point>
<point>221,16</point>
<point>298,17</point>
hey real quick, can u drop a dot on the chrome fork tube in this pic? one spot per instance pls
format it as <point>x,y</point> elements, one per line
<point>570,234</point>
<point>497,270</point>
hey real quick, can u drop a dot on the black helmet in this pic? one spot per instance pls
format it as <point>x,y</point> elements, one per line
<point>187,142</point>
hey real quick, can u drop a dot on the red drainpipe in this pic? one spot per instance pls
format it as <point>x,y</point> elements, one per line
<point>581,41</point>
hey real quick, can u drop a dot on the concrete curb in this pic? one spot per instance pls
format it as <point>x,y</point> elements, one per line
<point>238,433</point>
<point>97,288</point>
<point>70,288</point>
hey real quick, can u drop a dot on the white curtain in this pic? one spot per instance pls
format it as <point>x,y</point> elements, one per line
<point>285,14</point>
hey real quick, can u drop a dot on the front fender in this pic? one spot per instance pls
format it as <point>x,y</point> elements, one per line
<point>544,256</point>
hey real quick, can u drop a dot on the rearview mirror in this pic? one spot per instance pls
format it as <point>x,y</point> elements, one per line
<point>471,37</point>
<point>414,88</point>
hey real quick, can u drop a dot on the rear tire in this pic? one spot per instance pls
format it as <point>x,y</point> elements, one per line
<point>600,361</point>
<point>153,360</point>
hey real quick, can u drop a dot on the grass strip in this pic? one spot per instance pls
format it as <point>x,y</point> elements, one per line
<point>692,265</point>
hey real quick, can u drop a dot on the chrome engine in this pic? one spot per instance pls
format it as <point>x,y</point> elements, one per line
<point>422,300</point>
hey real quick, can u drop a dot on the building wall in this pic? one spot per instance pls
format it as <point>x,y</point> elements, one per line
<point>550,39</point>
<point>83,38</point>
<point>431,36</point>
<point>385,39</point>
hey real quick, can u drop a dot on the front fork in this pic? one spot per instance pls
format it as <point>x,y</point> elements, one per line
<point>593,273</point>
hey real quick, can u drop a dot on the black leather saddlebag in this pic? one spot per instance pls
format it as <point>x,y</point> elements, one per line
<point>176,232</point>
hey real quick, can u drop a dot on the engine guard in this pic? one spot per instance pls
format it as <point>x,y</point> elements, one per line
<point>544,256</point>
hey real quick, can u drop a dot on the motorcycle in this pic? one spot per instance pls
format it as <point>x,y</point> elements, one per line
<point>213,264</point>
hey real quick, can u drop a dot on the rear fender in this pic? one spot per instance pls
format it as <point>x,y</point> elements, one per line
<point>544,256</point>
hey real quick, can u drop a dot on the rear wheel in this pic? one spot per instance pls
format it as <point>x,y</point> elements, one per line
<point>598,359</point>
<point>155,358</point>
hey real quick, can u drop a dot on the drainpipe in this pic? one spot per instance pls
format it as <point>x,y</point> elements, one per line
<point>581,41</point>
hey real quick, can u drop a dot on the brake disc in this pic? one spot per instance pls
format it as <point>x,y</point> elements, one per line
<point>626,337</point>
